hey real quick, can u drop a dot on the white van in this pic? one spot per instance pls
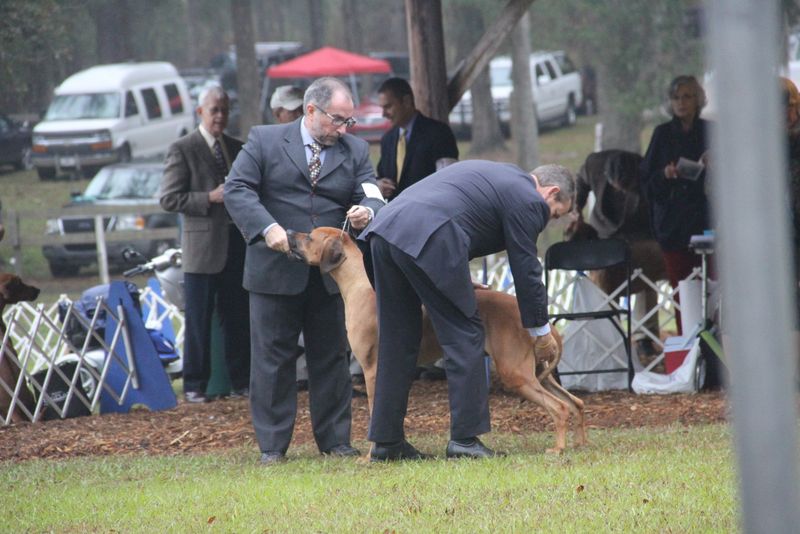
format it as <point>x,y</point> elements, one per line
<point>111,113</point>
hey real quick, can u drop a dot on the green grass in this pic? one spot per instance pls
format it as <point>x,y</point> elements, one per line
<point>675,479</point>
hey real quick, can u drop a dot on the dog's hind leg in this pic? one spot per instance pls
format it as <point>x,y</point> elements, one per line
<point>522,380</point>
<point>575,405</point>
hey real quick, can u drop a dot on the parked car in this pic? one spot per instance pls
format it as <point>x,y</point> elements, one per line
<point>111,113</point>
<point>15,143</point>
<point>132,184</point>
<point>556,86</point>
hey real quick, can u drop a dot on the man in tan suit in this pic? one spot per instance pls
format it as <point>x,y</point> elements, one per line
<point>213,248</point>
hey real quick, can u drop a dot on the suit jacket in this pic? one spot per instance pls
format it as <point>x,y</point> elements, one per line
<point>430,140</point>
<point>470,209</point>
<point>190,174</point>
<point>270,182</point>
<point>614,213</point>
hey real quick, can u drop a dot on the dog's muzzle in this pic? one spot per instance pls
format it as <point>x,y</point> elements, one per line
<point>294,253</point>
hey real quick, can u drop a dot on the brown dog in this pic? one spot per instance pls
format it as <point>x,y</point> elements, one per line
<point>507,342</point>
<point>12,290</point>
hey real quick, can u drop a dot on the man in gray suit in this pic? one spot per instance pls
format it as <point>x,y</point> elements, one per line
<point>213,249</point>
<point>421,245</point>
<point>299,176</point>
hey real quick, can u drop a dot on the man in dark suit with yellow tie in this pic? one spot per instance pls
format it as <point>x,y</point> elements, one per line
<point>411,149</point>
<point>213,248</point>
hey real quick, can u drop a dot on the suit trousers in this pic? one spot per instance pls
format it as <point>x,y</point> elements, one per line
<point>402,287</point>
<point>223,291</point>
<point>276,322</point>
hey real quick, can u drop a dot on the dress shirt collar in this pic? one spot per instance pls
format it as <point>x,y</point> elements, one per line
<point>210,139</point>
<point>407,127</point>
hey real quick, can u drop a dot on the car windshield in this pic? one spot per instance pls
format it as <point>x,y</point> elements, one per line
<point>501,75</point>
<point>124,183</point>
<point>88,106</point>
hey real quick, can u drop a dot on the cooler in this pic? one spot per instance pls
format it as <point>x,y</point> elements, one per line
<point>675,350</point>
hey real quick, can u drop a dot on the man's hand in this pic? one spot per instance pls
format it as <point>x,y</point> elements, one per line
<point>671,171</point>
<point>276,239</point>
<point>215,195</point>
<point>359,217</point>
<point>545,348</point>
<point>387,187</point>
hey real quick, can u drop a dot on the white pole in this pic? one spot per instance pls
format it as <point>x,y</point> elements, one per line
<point>749,185</point>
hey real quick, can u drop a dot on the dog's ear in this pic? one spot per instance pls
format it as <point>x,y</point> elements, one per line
<point>332,255</point>
<point>7,283</point>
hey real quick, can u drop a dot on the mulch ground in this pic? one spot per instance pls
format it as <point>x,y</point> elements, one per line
<point>222,424</point>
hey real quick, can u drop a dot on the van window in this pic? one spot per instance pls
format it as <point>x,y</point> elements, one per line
<point>174,98</point>
<point>86,106</point>
<point>151,103</point>
<point>131,109</point>
<point>540,74</point>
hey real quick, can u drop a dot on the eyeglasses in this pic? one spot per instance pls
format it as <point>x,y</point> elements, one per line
<point>339,121</point>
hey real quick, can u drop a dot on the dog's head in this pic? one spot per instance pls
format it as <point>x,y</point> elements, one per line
<point>323,247</point>
<point>13,290</point>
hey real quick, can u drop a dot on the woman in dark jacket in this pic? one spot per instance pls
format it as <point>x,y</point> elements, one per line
<point>677,200</point>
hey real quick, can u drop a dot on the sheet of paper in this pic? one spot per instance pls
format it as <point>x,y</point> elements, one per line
<point>689,169</point>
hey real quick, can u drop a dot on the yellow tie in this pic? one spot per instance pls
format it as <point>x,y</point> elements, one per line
<point>401,152</point>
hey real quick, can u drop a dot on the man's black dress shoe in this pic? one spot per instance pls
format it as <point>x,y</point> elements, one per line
<point>195,397</point>
<point>342,451</point>
<point>272,457</point>
<point>401,450</point>
<point>470,448</point>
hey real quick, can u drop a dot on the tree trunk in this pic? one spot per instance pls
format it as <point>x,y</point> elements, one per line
<point>486,133</point>
<point>316,20</point>
<point>524,130</point>
<point>246,67</point>
<point>426,53</point>
<point>621,125</point>
<point>113,31</point>
<point>353,32</point>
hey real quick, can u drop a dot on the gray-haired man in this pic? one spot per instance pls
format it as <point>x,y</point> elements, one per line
<point>299,176</point>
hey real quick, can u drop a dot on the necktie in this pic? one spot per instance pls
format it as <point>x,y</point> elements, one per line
<point>314,164</point>
<point>219,160</point>
<point>401,152</point>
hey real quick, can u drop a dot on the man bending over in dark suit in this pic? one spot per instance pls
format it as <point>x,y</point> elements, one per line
<point>299,176</point>
<point>213,249</point>
<point>421,245</point>
<point>411,149</point>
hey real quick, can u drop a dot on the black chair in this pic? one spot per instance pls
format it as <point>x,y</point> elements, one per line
<point>588,256</point>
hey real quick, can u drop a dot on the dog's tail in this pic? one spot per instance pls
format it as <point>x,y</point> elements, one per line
<point>547,368</point>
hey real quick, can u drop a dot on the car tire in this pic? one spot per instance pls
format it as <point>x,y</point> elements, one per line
<point>124,153</point>
<point>570,115</point>
<point>63,269</point>
<point>46,173</point>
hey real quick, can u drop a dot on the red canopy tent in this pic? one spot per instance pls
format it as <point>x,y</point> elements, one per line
<point>326,61</point>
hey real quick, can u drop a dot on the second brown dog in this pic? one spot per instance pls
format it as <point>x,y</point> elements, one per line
<point>507,342</point>
<point>12,290</point>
